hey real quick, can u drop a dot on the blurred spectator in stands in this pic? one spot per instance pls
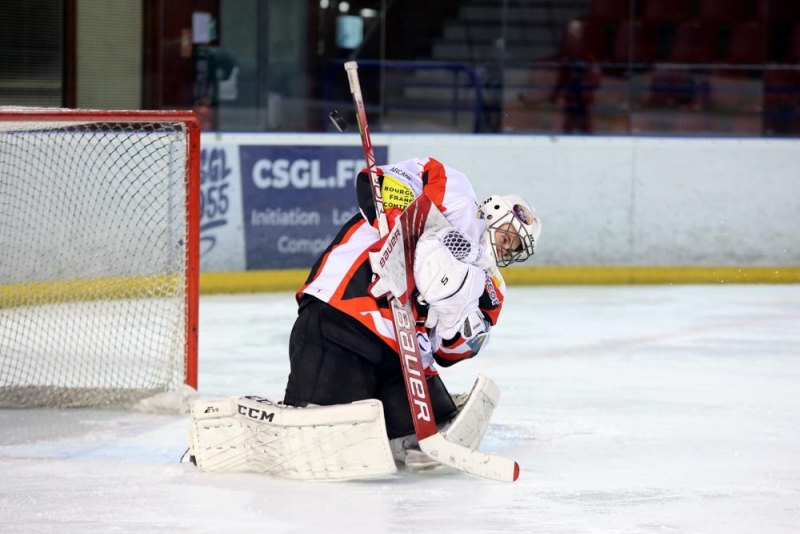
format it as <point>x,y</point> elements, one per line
<point>579,76</point>
<point>782,89</point>
<point>216,80</point>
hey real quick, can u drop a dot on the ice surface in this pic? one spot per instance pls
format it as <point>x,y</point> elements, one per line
<point>664,409</point>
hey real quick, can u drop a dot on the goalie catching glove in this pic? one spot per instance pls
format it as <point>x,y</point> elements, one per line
<point>450,285</point>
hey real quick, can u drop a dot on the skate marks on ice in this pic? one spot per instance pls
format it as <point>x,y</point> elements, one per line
<point>630,410</point>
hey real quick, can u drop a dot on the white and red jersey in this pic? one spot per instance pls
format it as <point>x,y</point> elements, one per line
<point>342,275</point>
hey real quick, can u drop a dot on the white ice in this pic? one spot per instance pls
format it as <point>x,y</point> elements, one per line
<point>631,409</point>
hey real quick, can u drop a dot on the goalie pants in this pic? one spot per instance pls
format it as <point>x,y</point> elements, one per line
<point>334,359</point>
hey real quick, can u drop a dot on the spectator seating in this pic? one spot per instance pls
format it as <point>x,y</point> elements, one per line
<point>747,45</point>
<point>678,83</point>
<point>612,10</point>
<point>695,41</point>
<point>636,41</point>
<point>778,10</point>
<point>782,90</point>
<point>723,11</point>
<point>735,89</point>
<point>666,11</point>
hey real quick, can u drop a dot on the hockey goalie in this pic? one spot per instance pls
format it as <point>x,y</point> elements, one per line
<point>346,413</point>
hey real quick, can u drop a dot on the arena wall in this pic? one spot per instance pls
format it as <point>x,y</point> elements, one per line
<point>614,209</point>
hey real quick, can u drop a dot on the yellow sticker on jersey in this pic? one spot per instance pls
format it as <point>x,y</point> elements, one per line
<point>395,194</point>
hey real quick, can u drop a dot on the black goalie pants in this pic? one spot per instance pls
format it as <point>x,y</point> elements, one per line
<point>334,359</point>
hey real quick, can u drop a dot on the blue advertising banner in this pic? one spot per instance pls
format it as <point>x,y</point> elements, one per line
<point>295,199</point>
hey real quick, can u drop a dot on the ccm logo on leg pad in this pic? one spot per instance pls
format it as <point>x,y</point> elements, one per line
<point>255,413</point>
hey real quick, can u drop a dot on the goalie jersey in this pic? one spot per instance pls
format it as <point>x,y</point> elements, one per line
<point>342,275</point>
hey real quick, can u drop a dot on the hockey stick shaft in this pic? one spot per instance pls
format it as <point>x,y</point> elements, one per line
<point>366,142</point>
<point>430,440</point>
<point>404,323</point>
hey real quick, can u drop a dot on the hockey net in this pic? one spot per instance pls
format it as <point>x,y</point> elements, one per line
<point>99,242</point>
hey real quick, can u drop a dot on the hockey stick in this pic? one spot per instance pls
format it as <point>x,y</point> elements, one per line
<point>431,442</point>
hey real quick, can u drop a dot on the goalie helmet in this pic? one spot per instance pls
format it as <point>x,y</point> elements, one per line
<point>508,217</point>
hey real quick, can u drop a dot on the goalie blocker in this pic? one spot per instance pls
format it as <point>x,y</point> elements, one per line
<point>340,442</point>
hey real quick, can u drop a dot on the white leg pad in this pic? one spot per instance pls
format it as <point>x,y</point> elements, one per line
<point>467,429</point>
<point>469,426</point>
<point>253,434</point>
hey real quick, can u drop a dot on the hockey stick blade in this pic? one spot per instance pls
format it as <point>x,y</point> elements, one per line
<point>473,462</point>
<point>338,121</point>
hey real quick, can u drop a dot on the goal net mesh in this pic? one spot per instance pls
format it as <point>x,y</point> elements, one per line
<point>93,285</point>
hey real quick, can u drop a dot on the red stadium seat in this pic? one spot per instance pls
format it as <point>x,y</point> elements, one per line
<point>644,38</point>
<point>723,10</point>
<point>666,10</point>
<point>782,91</point>
<point>747,44</point>
<point>781,101</point>
<point>778,10</point>
<point>793,52</point>
<point>695,42</point>
<point>736,90</point>
<point>612,9</point>
<point>783,41</point>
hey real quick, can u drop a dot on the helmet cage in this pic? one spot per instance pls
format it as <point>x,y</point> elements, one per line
<point>509,220</point>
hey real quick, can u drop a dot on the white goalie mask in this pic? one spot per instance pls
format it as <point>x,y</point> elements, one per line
<point>509,217</point>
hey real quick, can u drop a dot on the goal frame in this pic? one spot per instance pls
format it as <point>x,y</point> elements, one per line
<point>190,119</point>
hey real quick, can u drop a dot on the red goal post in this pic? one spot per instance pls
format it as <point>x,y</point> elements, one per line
<point>99,233</point>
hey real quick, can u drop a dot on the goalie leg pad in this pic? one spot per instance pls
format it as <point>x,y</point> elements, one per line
<point>253,434</point>
<point>467,429</point>
<point>469,426</point>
